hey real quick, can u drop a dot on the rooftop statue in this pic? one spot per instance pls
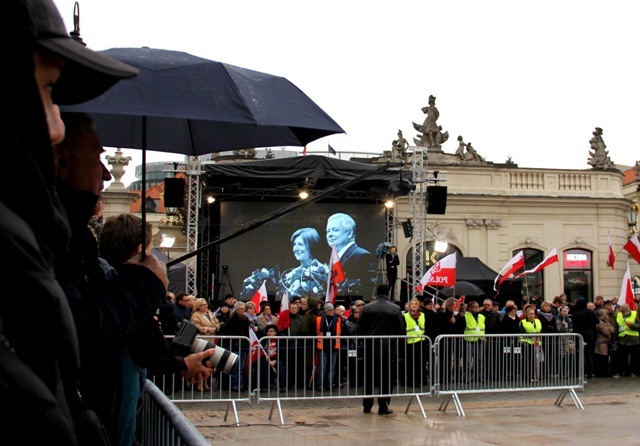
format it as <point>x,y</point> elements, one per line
<point>399,147</point>
<point>431,134</point>
<point>599,156</point>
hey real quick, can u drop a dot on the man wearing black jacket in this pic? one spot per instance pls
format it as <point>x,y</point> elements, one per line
<point>380,317</point>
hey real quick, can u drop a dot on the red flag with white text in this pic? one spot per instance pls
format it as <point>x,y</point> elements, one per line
<point>549,260</point>
<point>442,273</point>
<point>510,268</point>
<point>626,292</point>
<point>633,247</point>
<point>283,315</point>
<point>260,296</point>
<point>336,275</point>
<point>612,257</point>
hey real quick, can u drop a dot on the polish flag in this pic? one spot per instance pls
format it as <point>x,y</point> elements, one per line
<point>335,277</point>
<point>626,292</point>
<point>456,305</point>
<point>443,273</point>
<point>549,260</point>
<point>283,316</point>
<point>612,257</point>
<point>511,267</point>
<point>260,296</point>
<point>257,351</point>
<point>633,247</point>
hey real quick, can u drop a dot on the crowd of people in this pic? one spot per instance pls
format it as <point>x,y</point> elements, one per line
<point>609,331</point>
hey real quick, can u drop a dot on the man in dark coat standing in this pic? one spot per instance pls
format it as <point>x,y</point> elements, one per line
<point>380,318</point>
<point>393,261</point>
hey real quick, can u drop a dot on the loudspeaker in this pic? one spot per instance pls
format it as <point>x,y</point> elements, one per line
<point>436,199</point>
<point>174,192</point>
<point>407,228</point>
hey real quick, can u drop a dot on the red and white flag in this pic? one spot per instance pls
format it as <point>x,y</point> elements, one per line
<point>612,257</point>
<point>510,268</point>
<point>304,151</point>
<point>549,260</point>
<point>260,296</point>
<point>443,273</point>
<point>633,247</point>
<point>283,315</point>
<point>456,305</point>
<point>626,293</point>
<point>257,351</point>
<point>336,275</point>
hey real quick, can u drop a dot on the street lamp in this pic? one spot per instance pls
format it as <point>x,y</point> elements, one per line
<point>632,220</point>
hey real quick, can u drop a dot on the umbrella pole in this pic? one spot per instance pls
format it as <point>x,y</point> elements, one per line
<point>143,189</point>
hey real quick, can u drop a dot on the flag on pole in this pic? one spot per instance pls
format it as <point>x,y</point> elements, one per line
<point>304,151</point>
<point>549,260</point>
<point>633,247</point>
<point>331,150</point>
<point>511,267</point>
<point>284,321</point>
<point>443,273</point>
<point>257,350</point>
<point>626,292</point>
<point>612,257</point>
<point>456,305</point>
<point>336,275</point>
<point>260,296</point>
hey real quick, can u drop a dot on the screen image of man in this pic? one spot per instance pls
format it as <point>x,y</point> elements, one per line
<point>356,261</point>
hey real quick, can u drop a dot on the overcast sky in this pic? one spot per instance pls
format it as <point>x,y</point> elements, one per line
<point>526,79</point>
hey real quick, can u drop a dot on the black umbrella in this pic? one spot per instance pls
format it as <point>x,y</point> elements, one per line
<point>181,103</point>
<point>463,288</point>
<point>185,104</point>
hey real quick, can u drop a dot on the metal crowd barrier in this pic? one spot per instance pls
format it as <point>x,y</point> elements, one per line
<point>508,363</point>
<point>161,422</point>
<point>389,366</point>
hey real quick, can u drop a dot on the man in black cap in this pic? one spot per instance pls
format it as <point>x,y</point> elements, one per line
<point>44,67</point>
<point>380,317</point>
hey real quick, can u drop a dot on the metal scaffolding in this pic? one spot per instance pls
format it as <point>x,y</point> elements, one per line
<point>194,170</point>
<point>418,209</point>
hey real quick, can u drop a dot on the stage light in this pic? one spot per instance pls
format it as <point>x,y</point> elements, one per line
<point>166,241</point>
<point>211,199</point>
<point>388,204</point>
<point>441,246</point>
<point>303,194</point>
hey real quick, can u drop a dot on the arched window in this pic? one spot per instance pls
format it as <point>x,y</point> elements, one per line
<point>532,284</point>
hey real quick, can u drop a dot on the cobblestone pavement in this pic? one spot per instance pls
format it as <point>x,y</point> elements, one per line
<point>610,414</point>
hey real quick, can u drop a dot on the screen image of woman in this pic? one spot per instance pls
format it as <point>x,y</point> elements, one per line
<point>310,277</point>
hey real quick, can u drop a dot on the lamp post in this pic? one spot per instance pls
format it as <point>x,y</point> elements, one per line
<point>632,220</point>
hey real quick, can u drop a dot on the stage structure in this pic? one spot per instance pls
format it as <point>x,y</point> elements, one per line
<point>328,181</point>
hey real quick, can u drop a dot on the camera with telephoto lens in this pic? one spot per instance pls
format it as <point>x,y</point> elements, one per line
<point>186,341</point>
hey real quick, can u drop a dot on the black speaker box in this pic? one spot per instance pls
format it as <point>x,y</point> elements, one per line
<point>436,199</point>
<point>407,228</point>
<point>174,192</point>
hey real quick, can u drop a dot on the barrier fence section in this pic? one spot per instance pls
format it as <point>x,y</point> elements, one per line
<point>308,367</point>
<point>161,422</point>
<point>508,363</point>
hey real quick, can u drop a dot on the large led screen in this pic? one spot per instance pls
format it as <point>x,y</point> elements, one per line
<point>292,253</point>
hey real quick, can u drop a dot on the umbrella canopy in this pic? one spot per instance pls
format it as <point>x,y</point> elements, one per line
<point>463,288</point>
<point>181,103</point>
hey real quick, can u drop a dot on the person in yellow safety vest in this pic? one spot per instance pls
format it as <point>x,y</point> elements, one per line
<point>530,324</point>
<point>628,353</point>
<point>474,345</point>
<point>328,327</point>
<point>416,351</point>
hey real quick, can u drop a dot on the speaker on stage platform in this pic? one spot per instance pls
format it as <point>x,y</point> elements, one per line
<point>174,192</point>
<point>407,228</point>
<point>436,199</point>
